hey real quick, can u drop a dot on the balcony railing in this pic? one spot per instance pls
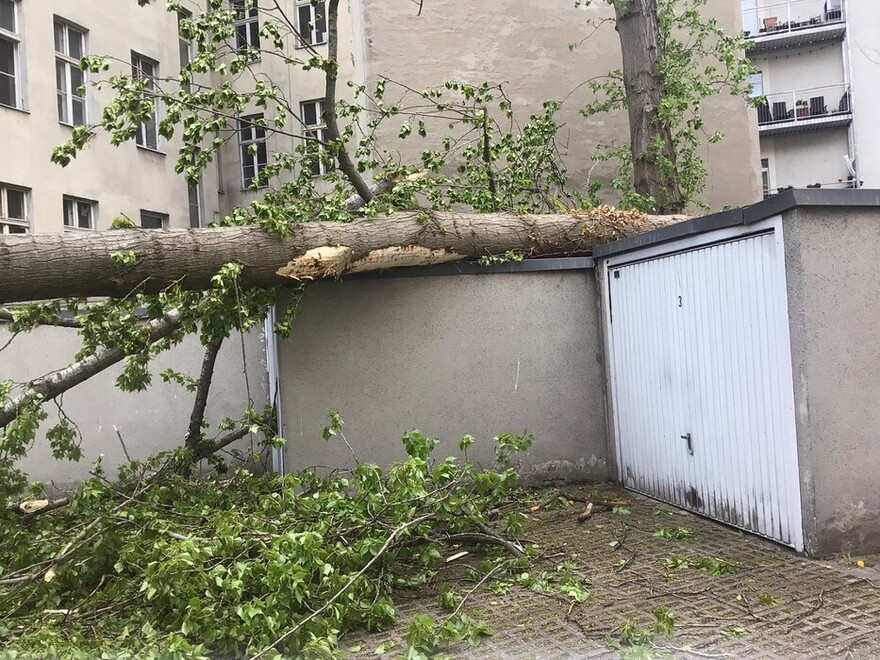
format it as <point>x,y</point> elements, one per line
<point>785,17</point>
<point>797,110</point>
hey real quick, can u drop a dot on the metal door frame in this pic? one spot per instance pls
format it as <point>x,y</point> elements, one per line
<point>687,244</point>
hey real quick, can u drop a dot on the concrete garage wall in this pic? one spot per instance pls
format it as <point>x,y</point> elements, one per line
<point>833,272</point>
<point>449,355</point>
<point>150,421</point>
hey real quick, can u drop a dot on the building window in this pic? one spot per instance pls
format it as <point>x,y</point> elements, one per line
<point>13,210</point>
<point>151,220</point>
<point>247,25</point>
<point>195,204</point>
<point>186,49</point>
<point>756,80</point>
<point>145,69</point>
<point>318,160</point>
<point>254,156</point>
<point>70,82</point>
<point>10,39</point>
<point>79,213</point>
<point>765,177</point>
<point>311,22</point>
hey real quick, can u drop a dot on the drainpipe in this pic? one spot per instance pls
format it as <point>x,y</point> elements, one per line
<point>274,386</point>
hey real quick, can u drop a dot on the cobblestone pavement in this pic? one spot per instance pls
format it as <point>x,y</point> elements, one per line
<point>775,605</point>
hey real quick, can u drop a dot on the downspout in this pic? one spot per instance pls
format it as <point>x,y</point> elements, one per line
<point>277,453</point>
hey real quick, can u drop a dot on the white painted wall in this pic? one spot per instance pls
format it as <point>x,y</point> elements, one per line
<point>864,54</point>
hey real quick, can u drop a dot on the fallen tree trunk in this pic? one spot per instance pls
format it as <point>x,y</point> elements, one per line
<point>45,266</point>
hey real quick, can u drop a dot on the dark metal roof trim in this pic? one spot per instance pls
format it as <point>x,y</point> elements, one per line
<point>538,265</point>
<point>745,216</point>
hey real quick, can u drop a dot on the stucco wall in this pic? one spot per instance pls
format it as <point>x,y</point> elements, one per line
<point>150,421</point>
<point>834,303</point>
<point>479,354</point>
<point>526,46</point>
<point>807,158</point>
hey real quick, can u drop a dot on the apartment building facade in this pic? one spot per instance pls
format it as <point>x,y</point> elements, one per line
<point>43,95</point>
<point>818,62</point>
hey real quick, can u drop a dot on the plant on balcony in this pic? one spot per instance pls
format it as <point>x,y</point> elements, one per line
<point>801,108</point>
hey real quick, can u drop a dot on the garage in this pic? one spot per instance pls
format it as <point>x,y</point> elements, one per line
<point>700,377</point>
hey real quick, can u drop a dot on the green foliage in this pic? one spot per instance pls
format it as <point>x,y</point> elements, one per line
<point>715,566</point>
<point>176,568</point>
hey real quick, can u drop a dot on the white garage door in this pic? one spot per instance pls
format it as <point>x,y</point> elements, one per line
<point>701,383</point>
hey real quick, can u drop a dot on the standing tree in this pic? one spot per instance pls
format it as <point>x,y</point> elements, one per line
<point>673,59</point>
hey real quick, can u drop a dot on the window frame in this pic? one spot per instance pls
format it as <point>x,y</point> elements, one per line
<point>5,221</point>
<point>247,16</point>
<point>15,38</point>
<point>162,217</point>
<point>68,61</point>
<point>137,72</point>
<point>244,150</point>
<point>196,211</point>
<point>316,38</point>
<point>184,47</point>
<point>317,131</point>
<point>77,201</point>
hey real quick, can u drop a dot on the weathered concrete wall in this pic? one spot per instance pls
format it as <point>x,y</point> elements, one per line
<point>833,273</point>
<point>479,354</point>
<point>150,421</point>
<point>526,46</point>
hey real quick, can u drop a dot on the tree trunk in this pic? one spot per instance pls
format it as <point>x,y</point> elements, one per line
<point>651,144</point>
<point>45,266</point>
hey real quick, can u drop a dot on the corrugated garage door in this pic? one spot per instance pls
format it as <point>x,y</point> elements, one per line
<point>702,389</point>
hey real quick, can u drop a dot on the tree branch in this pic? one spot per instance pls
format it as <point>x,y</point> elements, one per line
<point>197,417</point>
<point>62,380</point>
<point>331,72</point>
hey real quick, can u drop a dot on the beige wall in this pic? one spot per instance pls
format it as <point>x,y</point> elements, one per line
<point>834,304</point>
<point>150,421</point>
<point>807,158</point>
<point>479,354</point>
<point>526,46</point>
<point>122,180</point>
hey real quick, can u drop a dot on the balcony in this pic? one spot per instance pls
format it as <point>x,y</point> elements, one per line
<point>802,110</point>
<point>794,24</point>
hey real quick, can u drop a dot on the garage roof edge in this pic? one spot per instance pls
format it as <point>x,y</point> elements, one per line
<point>745,215</point>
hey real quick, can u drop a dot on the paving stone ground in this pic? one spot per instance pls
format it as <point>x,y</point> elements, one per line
<point>776,605</point>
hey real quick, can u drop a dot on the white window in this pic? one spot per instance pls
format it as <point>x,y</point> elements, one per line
<point>252,143</point>
<point>10,65</point>
<point>185,46</point>
<point>765,177</point>
<point>13,210</point>
<point>153,220</point>
<point>195,204</point>
<point>312,114</point>
<point>247,25</point>
<point>143,68</point>
<point>70,43</point>
<point>79,213</point>
<point>311,22</point>
<point>756,80</point>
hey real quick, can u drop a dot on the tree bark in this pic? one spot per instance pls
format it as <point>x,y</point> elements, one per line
<point>45,266</point>
<point>651,140</point>
<point>194,434</point>
<point>330,75</point>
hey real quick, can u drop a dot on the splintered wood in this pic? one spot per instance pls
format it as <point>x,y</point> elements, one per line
<point>590,503</point>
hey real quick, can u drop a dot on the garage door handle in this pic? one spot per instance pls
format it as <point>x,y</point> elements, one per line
<point>690,443</point>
